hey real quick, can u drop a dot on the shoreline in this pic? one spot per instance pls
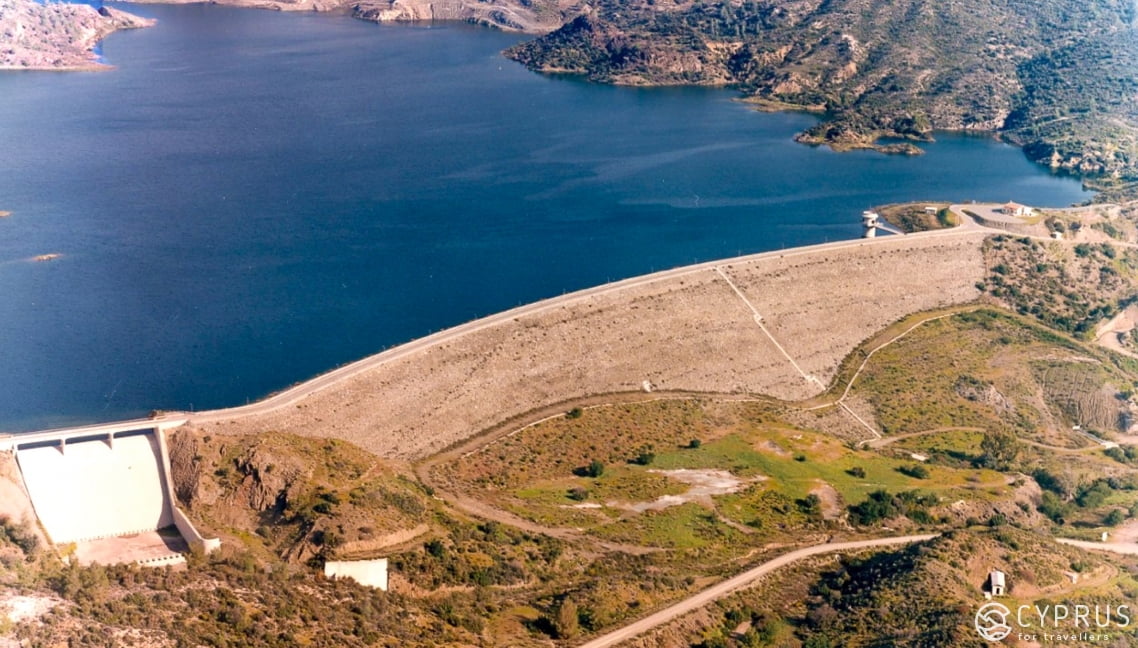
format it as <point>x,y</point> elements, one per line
<point>292,401</point>
<point>70,43</point>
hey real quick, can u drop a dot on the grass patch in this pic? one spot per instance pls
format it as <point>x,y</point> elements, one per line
<point>688,526</point>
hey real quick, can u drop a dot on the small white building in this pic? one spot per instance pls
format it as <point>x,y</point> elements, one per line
<point>1016,209</point>
<point>997,582</point>
<point>369,573</point>
<point>1057,235</point>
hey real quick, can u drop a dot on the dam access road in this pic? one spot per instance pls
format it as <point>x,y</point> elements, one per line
<point>719,590</point>
<point>761,324</point>
<point>776,323</point>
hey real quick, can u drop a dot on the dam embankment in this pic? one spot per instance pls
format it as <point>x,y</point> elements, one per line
<point>775,323</point>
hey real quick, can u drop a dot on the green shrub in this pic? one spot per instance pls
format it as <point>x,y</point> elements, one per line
<point>644,458</point>
<point>594,469</point>
<point>916,471</point>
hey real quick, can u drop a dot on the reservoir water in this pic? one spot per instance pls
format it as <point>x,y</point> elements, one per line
<point>252,198</point>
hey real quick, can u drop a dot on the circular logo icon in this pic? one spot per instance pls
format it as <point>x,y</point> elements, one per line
<point>992,621</point>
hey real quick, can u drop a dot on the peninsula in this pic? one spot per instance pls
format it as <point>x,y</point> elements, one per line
<point>1056,77</point>
<point>56,35</point>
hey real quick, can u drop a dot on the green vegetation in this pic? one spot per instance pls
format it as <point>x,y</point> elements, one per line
<point>629,507</point>
<point>1056,76</point>
<point>880,505</point>
<point>998,451</point>
<point>918,217</point>
<point>1067,294</point>
<point>916,471</point>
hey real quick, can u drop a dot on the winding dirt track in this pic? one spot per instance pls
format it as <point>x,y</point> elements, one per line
<point>737,582</point>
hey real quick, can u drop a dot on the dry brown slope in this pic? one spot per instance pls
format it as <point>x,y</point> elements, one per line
<point>683,332</point>
<point>534,17</point>
<point>819,306</point>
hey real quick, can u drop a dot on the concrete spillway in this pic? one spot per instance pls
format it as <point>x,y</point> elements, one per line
<point>103,489</point>
<point>97,487</point>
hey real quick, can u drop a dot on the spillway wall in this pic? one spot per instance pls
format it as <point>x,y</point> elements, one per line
<point>97,487</point>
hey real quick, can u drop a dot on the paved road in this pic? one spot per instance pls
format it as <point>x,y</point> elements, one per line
<point>1115,547</point>
<point>730,585</point>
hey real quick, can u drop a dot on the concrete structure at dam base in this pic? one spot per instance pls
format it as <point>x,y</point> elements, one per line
<point>105,490</point>
<point>370,573</point>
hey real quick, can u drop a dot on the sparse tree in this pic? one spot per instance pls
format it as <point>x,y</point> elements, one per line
<point>565,622</point>
<point>998,451</point>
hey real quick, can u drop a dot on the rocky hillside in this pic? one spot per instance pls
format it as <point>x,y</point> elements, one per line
<point>535,16</point>
<point>56,36</point>
<point>925,595</point>
<point>520,15</point>
<point>1055,76</point>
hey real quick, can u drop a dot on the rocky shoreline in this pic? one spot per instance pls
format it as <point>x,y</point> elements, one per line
<point>57,36</point>
<point>958,73</point>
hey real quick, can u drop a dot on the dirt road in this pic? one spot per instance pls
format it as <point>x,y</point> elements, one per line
<point>746,578</point>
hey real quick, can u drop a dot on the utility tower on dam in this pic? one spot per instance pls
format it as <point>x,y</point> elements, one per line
<point>870,223</point>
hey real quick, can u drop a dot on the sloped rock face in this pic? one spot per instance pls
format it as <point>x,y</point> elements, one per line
<point>56,36</point>
<point>270,480</point>
<point>184,466</point>
<point>261,479</point>
<point>522,15</point>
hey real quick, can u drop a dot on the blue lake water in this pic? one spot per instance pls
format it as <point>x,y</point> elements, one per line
<point>252,198</point>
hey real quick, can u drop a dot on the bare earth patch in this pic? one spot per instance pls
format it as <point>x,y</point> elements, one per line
<point>21,607</point>
<point>704,484</point>
<point>831,500</point>
<point>1114,334</point>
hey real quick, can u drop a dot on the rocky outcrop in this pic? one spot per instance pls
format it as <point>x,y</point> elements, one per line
<point>269,480</point>
<point>503,14</point>
<point>261,478</point>
<point>57,36</point>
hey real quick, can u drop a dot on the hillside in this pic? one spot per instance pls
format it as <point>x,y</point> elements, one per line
<point>1055,76</point>
<point>981,421</point>
<point>537,17</point>
<point>35,36</point>
<point>921,595</point>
